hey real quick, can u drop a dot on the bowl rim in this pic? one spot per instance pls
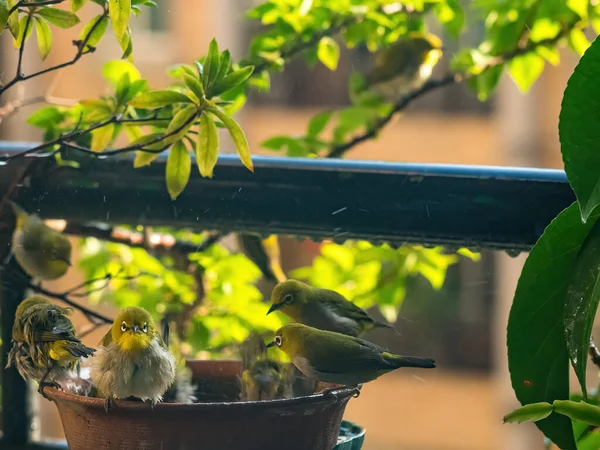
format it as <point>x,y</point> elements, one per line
<point>341,394</point>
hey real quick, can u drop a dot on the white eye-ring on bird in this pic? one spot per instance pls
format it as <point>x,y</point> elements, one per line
<point>278,341</point>
<point>289,298</point>
<point>123,327</point>
<point>145,327</point>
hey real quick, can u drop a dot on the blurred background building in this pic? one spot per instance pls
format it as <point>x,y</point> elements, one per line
<point>459,406</point>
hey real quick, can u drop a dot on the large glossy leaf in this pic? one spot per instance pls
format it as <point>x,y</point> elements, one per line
<point>537,352</point>
<point>583,294</point>
<point>578,130</point>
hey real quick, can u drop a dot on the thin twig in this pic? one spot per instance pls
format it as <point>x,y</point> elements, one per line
<point>338,151</point>
<point>24,4</point>
<point>158,241</point>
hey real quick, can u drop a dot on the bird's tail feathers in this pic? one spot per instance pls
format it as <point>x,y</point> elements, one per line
<point>78,349</point>
<point>411,361</point>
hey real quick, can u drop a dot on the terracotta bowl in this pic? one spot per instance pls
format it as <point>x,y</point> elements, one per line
<point>302,423</point>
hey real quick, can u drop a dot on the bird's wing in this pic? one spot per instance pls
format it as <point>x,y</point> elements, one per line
<point>107,339</point>
<point>55,334</point>
<point>339,306</point>
<point>332,354</point>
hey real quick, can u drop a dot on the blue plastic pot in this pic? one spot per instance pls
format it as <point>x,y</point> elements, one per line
<point>351,437</point>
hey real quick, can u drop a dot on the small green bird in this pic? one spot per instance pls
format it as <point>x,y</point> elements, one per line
<point>44,344</point>
<point>263,378</point>
<point>339,359</point>
<point>43,253</point>
<point>404,66</point>
<point>133,360</point>
<point>321,308</point>
<point>265,253</point>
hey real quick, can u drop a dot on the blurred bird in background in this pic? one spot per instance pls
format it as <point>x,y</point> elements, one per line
<point>265,253</point>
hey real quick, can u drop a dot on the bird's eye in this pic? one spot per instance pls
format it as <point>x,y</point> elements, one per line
<point>123,327</point>
<point>145,327</point>
<point>289,298</point>
<point>278,341</point>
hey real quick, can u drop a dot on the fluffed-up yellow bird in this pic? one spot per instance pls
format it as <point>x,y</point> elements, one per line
<point>265,253</point>
<point>43,253</point>
<point>44,347</point>
<point>337,358</point>
<point>133,360</point>
<point>321,308</point>
<point>263,378</point>
<point>404,66</point>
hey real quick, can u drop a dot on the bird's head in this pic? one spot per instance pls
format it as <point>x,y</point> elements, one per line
<point>428,45</point>
<point>30,302</point>
<point>61,248</point>
<point>289,297</point>
<point>290,338</point>
<point>133,329</point>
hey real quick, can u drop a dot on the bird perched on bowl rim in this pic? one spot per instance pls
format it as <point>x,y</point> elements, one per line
<point>337,358</point>
<point>322,308</point>
<point>404,66</point>
<point>45,347</point>
<point>133,360</point>
<point>42,252</point>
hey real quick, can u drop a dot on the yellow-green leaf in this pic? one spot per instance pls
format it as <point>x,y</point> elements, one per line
<point>3,14</point>
<point>158,99</point>
<point>126,45</point>
<point>93,31</point>
<point>76,5</point>
<point>58,17</point>
<point>181,123</point>
<point>44,37</point>
<point>23,34</point>
<point>101,137</point>
<point>119,12</point>
<point>144,158</point>
<point>207,147</point>
<point>114,70</point>
<point>238,136</point>
<point>179,166</point>
<point>211,65</point>
<point>156,139</point>
<point>13,19</point>
<point>532,412</point>
<point>328,52</point>
<point>193,85</point>
<point>525,69</point>
<point>578,42</point>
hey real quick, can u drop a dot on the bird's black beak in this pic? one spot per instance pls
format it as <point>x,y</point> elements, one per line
<point>135,329</point>
<point>67,261</point>
<point>274,307</point>
<point>270,344</point>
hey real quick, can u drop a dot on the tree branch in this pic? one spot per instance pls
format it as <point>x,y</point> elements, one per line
<point>338,151</point>
<point>158,242</point>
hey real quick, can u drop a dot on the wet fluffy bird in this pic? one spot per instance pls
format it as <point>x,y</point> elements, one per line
<point>45,348</point>
<point>133,360</point>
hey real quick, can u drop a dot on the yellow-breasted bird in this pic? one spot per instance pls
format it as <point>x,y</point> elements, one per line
<point>43,253</point>
<point>44,344</point>
<point>339,359</point>
<point>404,66</point>
<point>265,253</point>
<point>133,360</point>
<point>321,308</point>
<point>263,378</point>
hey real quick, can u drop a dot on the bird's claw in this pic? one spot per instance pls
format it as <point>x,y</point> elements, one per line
<point>356,392</point>
<point>44,384</point>
<point>108,403</point>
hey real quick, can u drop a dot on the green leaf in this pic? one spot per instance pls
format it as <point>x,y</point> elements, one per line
<point>578,130</point>
<point>451,14</point>
<point>590,441</point>
<point>113,71</point>
<point>238,136</point>
<point>194,85</point>
<point>207,147</point>
<point>47,117</point>
<point>158,99</point>
<point>328,52</point>
<point>126,45</point>
<point>119,12</point>
<point>44,37</point>
<point>76,5</point>
<point>538,360</point>
<point>232,80</point>
<point>58,17</point>
<point>224,64</point>
<point>580,7</point>
<point>24,34</point>
<point>122,89</point>
<point>179,166</point>
<point>582,411</point>
<point>3,14</point>
<point>525,69</point>
<point>318,123</point>
<point>156,138</point>
<point>144,159</point>
<point>578,42</point>
<point>581,305</point>
<point>181,123</point>
<point>211,66</point>
<point>532,412</point>
<point>94,31</point>
<point>13,19</point>
<point>101,137</point>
